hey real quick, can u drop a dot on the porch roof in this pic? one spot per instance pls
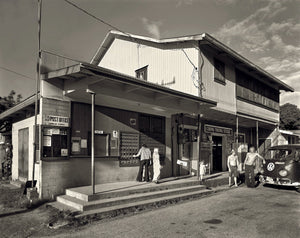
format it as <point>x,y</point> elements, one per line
<point>115,88</point>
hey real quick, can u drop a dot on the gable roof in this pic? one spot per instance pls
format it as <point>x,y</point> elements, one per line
<point>205,38</point>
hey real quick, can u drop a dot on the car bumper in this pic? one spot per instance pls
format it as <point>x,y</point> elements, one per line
<point>278,181</point>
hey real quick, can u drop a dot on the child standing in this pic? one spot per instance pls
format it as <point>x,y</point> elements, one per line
<point>202,170</point>
<point>156,165</point>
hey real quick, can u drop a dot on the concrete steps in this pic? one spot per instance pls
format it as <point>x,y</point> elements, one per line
<point>116,210</point>
<point>123,198</point>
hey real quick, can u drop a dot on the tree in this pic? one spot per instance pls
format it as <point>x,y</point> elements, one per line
<point>289,117</point>
<point>9,101</point>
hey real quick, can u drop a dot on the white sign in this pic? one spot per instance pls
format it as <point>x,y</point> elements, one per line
<point>64,152</point>
<point>47,141</point>
<point>83,143</point>
<point>115,134</point>
<point>56,120</point>
<point>183,163</point>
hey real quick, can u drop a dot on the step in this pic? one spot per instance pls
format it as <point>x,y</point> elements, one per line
<point>132,207</point>
<point>147,187</point>
<point>106,202</point>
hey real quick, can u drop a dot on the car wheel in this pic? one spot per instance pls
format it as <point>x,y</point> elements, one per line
<point>298,190</point>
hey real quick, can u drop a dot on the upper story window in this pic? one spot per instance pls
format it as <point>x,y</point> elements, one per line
<point>142,73</point>
<point>219,71</point>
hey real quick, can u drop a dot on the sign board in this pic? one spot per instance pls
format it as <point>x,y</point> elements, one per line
<point>183,163</point>
<point>217,129</point>
<point>56,121</point>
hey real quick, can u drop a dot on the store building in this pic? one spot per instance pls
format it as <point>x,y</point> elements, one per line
<point>171,94</point>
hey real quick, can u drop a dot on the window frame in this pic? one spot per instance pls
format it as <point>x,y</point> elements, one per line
<point>142,70</point>
<point>219,76</point>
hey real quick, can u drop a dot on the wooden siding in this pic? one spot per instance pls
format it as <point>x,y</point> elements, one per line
<point>163,65</point>
<point>224,94</point>
<point>257,111</point>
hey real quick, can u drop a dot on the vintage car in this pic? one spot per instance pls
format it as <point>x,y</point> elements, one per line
<point>284,166</point>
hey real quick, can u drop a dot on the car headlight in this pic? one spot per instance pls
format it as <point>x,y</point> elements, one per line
<point>283,173</point>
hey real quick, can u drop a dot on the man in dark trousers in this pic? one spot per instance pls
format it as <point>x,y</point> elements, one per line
<point>145,155</point>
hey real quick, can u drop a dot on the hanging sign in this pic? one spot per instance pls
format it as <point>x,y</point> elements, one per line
<point>56,120</point>
<point>217,129</point>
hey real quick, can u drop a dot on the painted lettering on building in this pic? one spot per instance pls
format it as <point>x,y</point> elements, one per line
<point>56,121</point>
<point>217,129</point>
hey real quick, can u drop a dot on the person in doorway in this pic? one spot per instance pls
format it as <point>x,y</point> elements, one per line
<point>202,169</point>
<point>233,163</point>
<point>145,156</point>
<point>251,159</point>
<point>156,166</point>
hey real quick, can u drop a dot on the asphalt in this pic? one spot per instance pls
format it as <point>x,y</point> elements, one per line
<point>237,212</point>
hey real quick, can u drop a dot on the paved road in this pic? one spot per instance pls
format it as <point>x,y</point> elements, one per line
<point>240,212</point>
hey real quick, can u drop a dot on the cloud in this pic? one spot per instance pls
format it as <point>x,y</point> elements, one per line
<point>183,2</point>
<point>293,98</point>
<point>152,27</point>
<point>269,41</point>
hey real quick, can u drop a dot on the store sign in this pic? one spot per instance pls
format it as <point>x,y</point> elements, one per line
<point>217,129</point>
<point>56,120</point>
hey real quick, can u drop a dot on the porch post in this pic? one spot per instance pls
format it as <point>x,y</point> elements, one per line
<point>199,147</point>
<point>237,130</point>
<point>92,140</point>
<point>257,136</point>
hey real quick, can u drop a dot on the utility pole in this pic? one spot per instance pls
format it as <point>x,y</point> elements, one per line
<point>37,89</point>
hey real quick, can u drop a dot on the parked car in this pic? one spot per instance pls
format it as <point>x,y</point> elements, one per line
<point>284,166</point>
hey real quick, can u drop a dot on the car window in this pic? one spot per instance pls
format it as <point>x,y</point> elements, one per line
<point>282,154</point>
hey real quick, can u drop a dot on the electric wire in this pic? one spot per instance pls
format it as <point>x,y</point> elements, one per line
<point>15,72</point>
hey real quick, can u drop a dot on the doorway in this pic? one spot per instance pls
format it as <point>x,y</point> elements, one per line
<point>217,153</point>
<point>23,144</point>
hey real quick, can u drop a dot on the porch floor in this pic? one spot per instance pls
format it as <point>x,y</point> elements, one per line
<point>133,185</point>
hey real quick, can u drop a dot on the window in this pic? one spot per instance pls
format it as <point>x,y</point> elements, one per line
<point>219,71</point>
<point>55,142</point>
<point>142,73</point>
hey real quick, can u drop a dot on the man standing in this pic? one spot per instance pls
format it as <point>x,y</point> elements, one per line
<point>145,155</point>
<point>251,158</point>
<point>233,163</point>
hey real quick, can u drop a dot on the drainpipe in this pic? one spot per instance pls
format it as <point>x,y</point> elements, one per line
<point>92,140</point>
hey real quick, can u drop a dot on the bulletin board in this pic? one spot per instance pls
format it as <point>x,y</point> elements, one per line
<point>129,146</point>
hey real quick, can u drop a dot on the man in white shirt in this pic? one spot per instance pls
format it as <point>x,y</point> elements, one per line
<point>145,156</point>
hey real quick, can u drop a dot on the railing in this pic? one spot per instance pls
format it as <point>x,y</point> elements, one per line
<point>252,97</point>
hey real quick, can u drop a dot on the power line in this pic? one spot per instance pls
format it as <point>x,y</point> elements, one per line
<point>12,71</point>
<point>95,17</point>
<point>62,56</point>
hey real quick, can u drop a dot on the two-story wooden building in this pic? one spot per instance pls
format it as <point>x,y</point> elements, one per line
<point>247,97</point>
<point>170,94</point>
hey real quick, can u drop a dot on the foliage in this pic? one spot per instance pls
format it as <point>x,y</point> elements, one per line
<point>289,117</point>
<point>9,101</point>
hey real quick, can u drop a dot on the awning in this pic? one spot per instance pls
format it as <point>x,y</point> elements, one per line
<point>122,91</point>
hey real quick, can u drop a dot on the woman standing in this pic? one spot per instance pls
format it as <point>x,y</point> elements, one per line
<point>249,165</point>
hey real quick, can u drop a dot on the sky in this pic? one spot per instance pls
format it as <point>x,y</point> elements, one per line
<point>267,32</point>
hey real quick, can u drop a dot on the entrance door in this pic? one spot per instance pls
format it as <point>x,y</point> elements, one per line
<point>217,153</point>
<point>23,152</point>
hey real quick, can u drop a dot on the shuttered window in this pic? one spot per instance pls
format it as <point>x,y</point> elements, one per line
<point>219,71</point>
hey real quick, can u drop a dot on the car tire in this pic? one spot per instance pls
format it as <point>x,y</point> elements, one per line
<point>298,190</point>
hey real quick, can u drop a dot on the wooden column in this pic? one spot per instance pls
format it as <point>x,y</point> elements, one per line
<point>257,136</point>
